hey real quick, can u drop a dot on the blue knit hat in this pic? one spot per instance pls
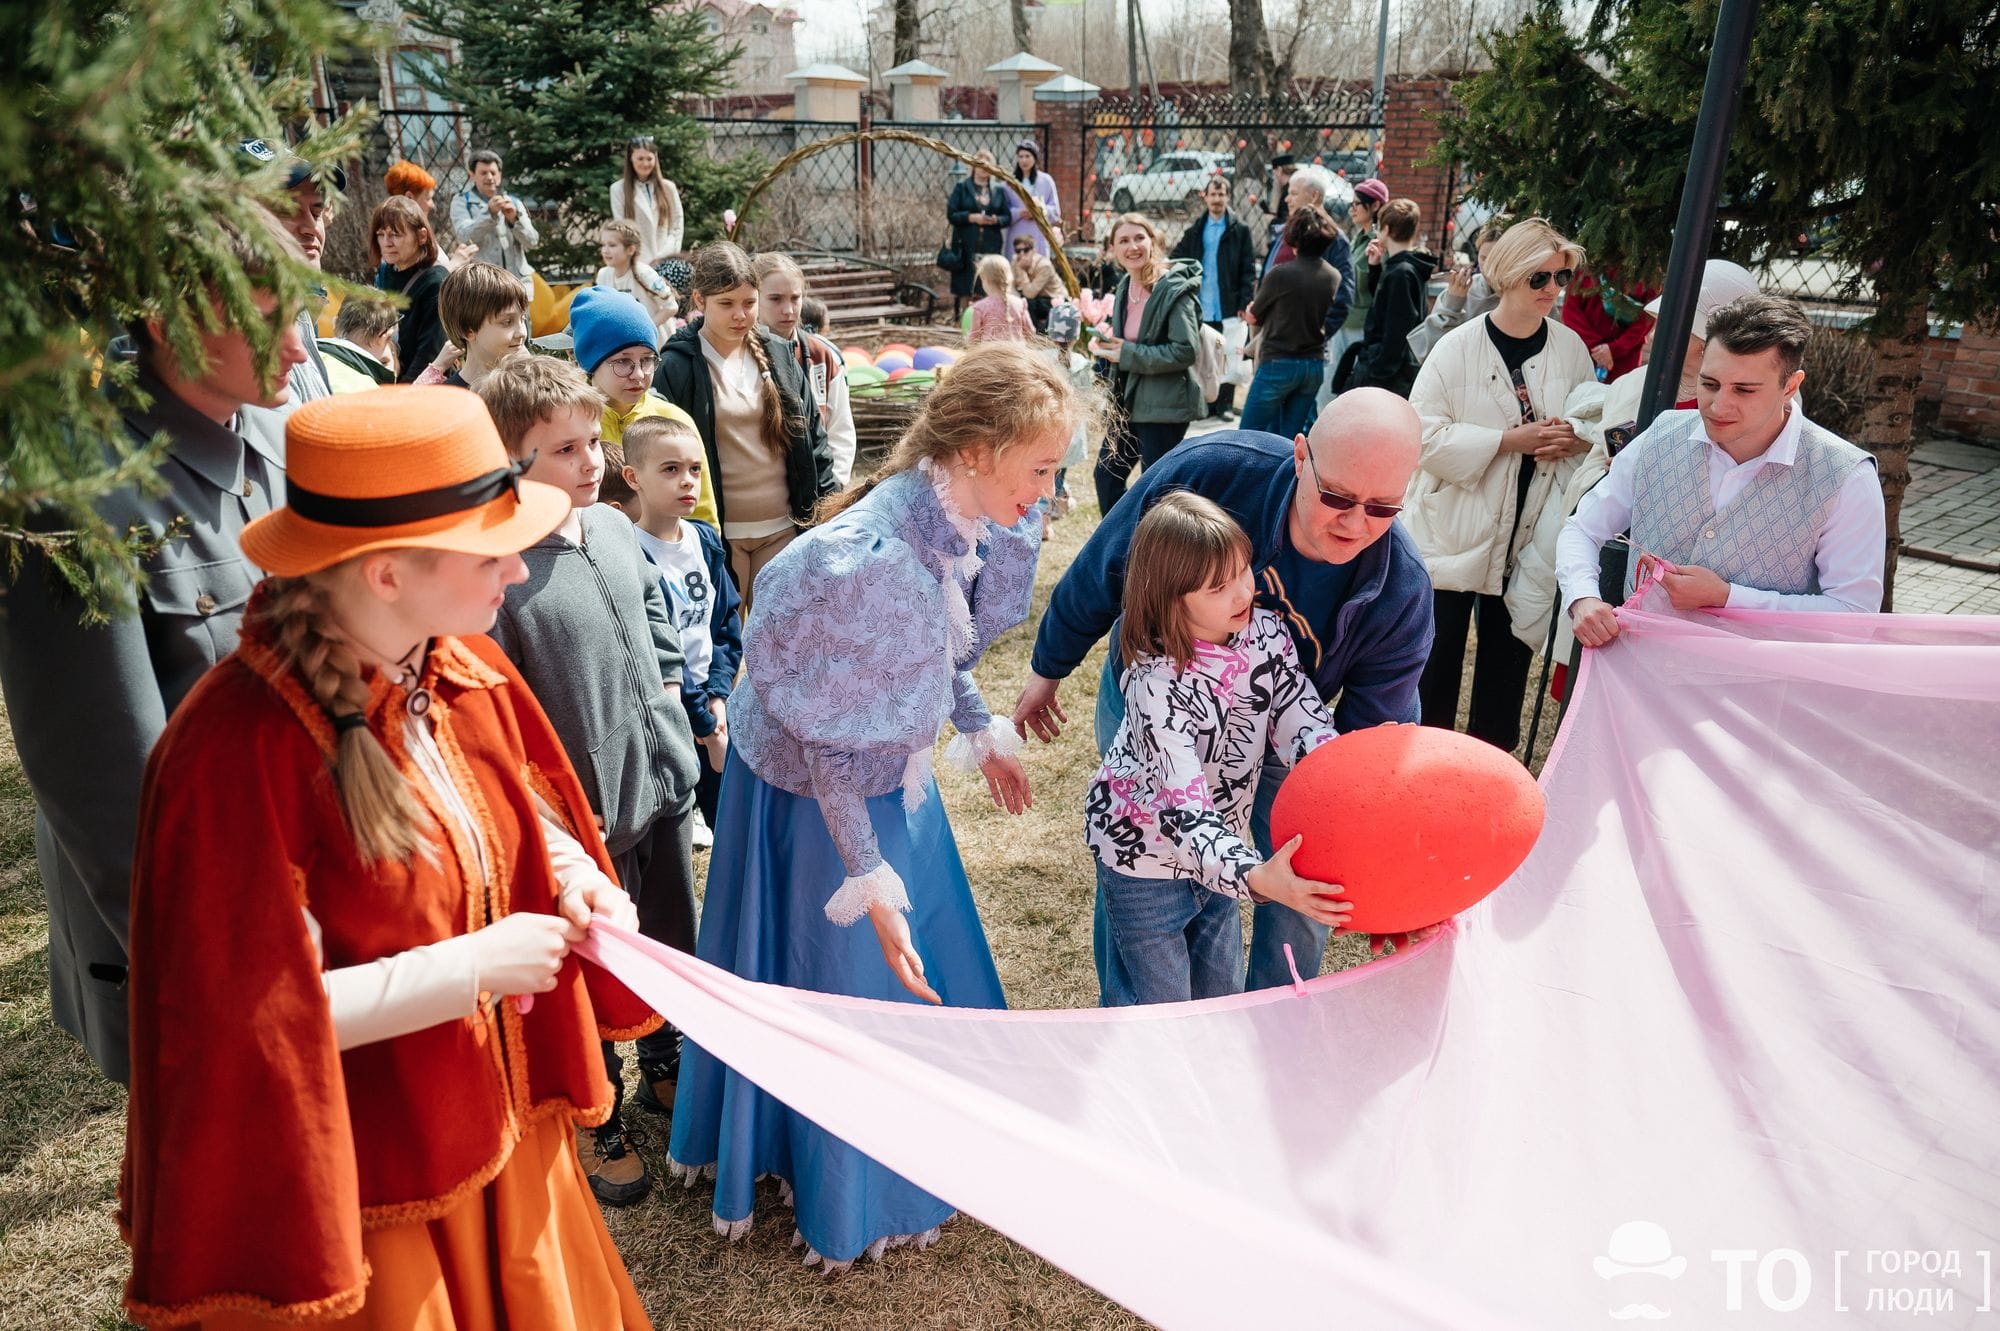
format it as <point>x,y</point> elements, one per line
<point>604,322</point>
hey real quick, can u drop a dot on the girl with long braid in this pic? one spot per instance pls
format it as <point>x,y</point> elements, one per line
<point>759,421</point>
<point>362,861</point>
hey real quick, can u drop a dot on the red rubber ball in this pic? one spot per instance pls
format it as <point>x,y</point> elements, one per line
<point>1416,823</point>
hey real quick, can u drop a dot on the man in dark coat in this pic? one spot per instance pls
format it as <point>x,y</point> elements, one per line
<point>1228,259</point>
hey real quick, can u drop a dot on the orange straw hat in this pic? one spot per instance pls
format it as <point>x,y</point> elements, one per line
<point>398,468</point>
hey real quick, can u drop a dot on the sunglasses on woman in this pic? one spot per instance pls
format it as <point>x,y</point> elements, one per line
<point>1340,503</point>
<point>1562,276</point>
<point>642,141</point>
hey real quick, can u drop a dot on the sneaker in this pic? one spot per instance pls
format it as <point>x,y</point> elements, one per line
<point>702,836</point>
<point>657,1082</point>
<point>610,1157</point>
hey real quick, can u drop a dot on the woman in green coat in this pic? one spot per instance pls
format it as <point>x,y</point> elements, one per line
<point>1146,350</point>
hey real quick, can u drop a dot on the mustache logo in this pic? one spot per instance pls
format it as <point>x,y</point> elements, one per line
<point>1647,1311</point>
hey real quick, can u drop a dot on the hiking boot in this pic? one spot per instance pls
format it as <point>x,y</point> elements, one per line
<point>610,1157</point>
<point>657,1080</point>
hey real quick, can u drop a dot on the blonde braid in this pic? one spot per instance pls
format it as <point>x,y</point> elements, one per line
<point>382,815</point>
<point>780,420</point>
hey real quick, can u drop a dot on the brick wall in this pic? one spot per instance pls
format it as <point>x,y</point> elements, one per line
<point>1408,135</point>
<point>1938,354</point>
<point>1065,153</point>
<point>1970,401</point>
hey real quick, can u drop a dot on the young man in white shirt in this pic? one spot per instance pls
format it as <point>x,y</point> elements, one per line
<point>1753,505</point>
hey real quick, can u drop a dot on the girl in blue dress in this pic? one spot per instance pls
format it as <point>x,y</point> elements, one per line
<point>860,646</point>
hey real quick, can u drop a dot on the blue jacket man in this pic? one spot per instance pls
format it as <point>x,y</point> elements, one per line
<point>1350,586</point>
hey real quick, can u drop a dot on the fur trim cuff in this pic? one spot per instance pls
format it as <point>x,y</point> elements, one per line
<point>880,884</point>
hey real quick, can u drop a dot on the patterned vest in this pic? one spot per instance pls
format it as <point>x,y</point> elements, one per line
<point>1767,536</point>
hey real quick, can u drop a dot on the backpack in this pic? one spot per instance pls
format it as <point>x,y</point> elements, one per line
<point>1210,365</point>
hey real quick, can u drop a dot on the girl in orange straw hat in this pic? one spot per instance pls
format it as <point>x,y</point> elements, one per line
<point>359,1041</point>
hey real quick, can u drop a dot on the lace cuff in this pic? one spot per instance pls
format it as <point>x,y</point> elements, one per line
<point>857,893</point>
<point>967,751</point>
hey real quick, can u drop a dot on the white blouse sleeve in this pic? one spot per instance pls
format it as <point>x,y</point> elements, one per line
<point>400,994</point>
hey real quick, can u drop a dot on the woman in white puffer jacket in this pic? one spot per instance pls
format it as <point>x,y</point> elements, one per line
<point>1494,453</point>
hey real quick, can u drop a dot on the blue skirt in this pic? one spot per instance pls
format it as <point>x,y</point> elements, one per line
<point>772,870</point>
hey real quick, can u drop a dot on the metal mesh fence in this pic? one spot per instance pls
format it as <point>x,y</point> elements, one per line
<point>439,141</point>
<point>884,201</point>
<point>1156,157</point>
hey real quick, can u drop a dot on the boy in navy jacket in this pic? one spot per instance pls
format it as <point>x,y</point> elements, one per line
<point>663,464</point>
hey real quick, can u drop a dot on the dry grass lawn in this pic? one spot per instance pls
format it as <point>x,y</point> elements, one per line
<point>61,1125</point>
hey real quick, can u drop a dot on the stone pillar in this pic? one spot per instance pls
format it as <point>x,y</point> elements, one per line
<point>1409,133</point>
<point>1017,76</point>
<point>826,92</point>
<point>914,88</point>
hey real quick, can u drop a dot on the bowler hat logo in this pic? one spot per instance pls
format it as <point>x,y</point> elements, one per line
<point>1640,1259</point>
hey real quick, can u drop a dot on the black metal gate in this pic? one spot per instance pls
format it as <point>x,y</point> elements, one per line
<point>1140,155</point>
<point>881,201</point>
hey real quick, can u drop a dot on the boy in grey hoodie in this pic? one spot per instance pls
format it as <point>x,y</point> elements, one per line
<point>591,633</point>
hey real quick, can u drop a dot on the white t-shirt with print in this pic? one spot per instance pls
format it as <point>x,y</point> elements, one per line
<point>690,597</point>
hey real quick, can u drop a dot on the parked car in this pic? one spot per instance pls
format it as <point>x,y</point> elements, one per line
<point>1174,180</point>
<point>1356,164</point>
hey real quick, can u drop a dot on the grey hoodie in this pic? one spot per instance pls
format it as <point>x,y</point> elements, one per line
<point>590,632</point>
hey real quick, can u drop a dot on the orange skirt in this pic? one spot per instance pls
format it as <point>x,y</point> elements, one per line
<point>528,1250</point>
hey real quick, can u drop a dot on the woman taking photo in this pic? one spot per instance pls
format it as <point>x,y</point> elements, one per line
<point>760,424</point>
<point>1147,351</point>
<point>979,209</point>
<point>405,251</point>
<point>649,201</point>
<point>1494,453</point>
<point>362,861</point>
<point>860,648</point>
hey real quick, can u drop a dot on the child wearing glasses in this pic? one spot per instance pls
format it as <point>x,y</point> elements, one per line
<point>1213,689</point>
<point>616,344</point>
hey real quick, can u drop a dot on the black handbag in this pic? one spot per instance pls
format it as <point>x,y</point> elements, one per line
<point>949,257</point>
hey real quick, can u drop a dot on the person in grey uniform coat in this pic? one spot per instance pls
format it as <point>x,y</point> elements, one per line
<point>87,700</point>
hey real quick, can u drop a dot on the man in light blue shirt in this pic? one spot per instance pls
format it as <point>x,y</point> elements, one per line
<point>1212,228</point>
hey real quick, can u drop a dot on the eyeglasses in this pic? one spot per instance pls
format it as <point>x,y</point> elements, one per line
<point>1023,249</point>
<point>1562,276</point>
<point>1340,503</point>
<point>631,369</point>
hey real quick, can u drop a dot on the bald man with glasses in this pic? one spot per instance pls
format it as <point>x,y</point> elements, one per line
<point>1328,556</point>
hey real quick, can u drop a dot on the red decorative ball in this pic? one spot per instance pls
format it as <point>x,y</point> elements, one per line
<point>1415,823</point>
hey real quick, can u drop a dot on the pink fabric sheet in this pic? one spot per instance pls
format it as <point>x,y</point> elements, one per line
<point>1746,990</point>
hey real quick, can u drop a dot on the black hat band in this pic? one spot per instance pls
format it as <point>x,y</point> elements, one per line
<point>399,510</point>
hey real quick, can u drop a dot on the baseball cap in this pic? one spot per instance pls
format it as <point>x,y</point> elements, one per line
<point>297,169</point>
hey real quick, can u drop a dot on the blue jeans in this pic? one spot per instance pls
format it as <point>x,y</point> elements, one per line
<point>1272,925</point>
<point>1284,395</point>
<point>1171,940</point>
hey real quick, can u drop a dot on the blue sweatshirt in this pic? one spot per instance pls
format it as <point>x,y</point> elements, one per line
<point>1371,645</point>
